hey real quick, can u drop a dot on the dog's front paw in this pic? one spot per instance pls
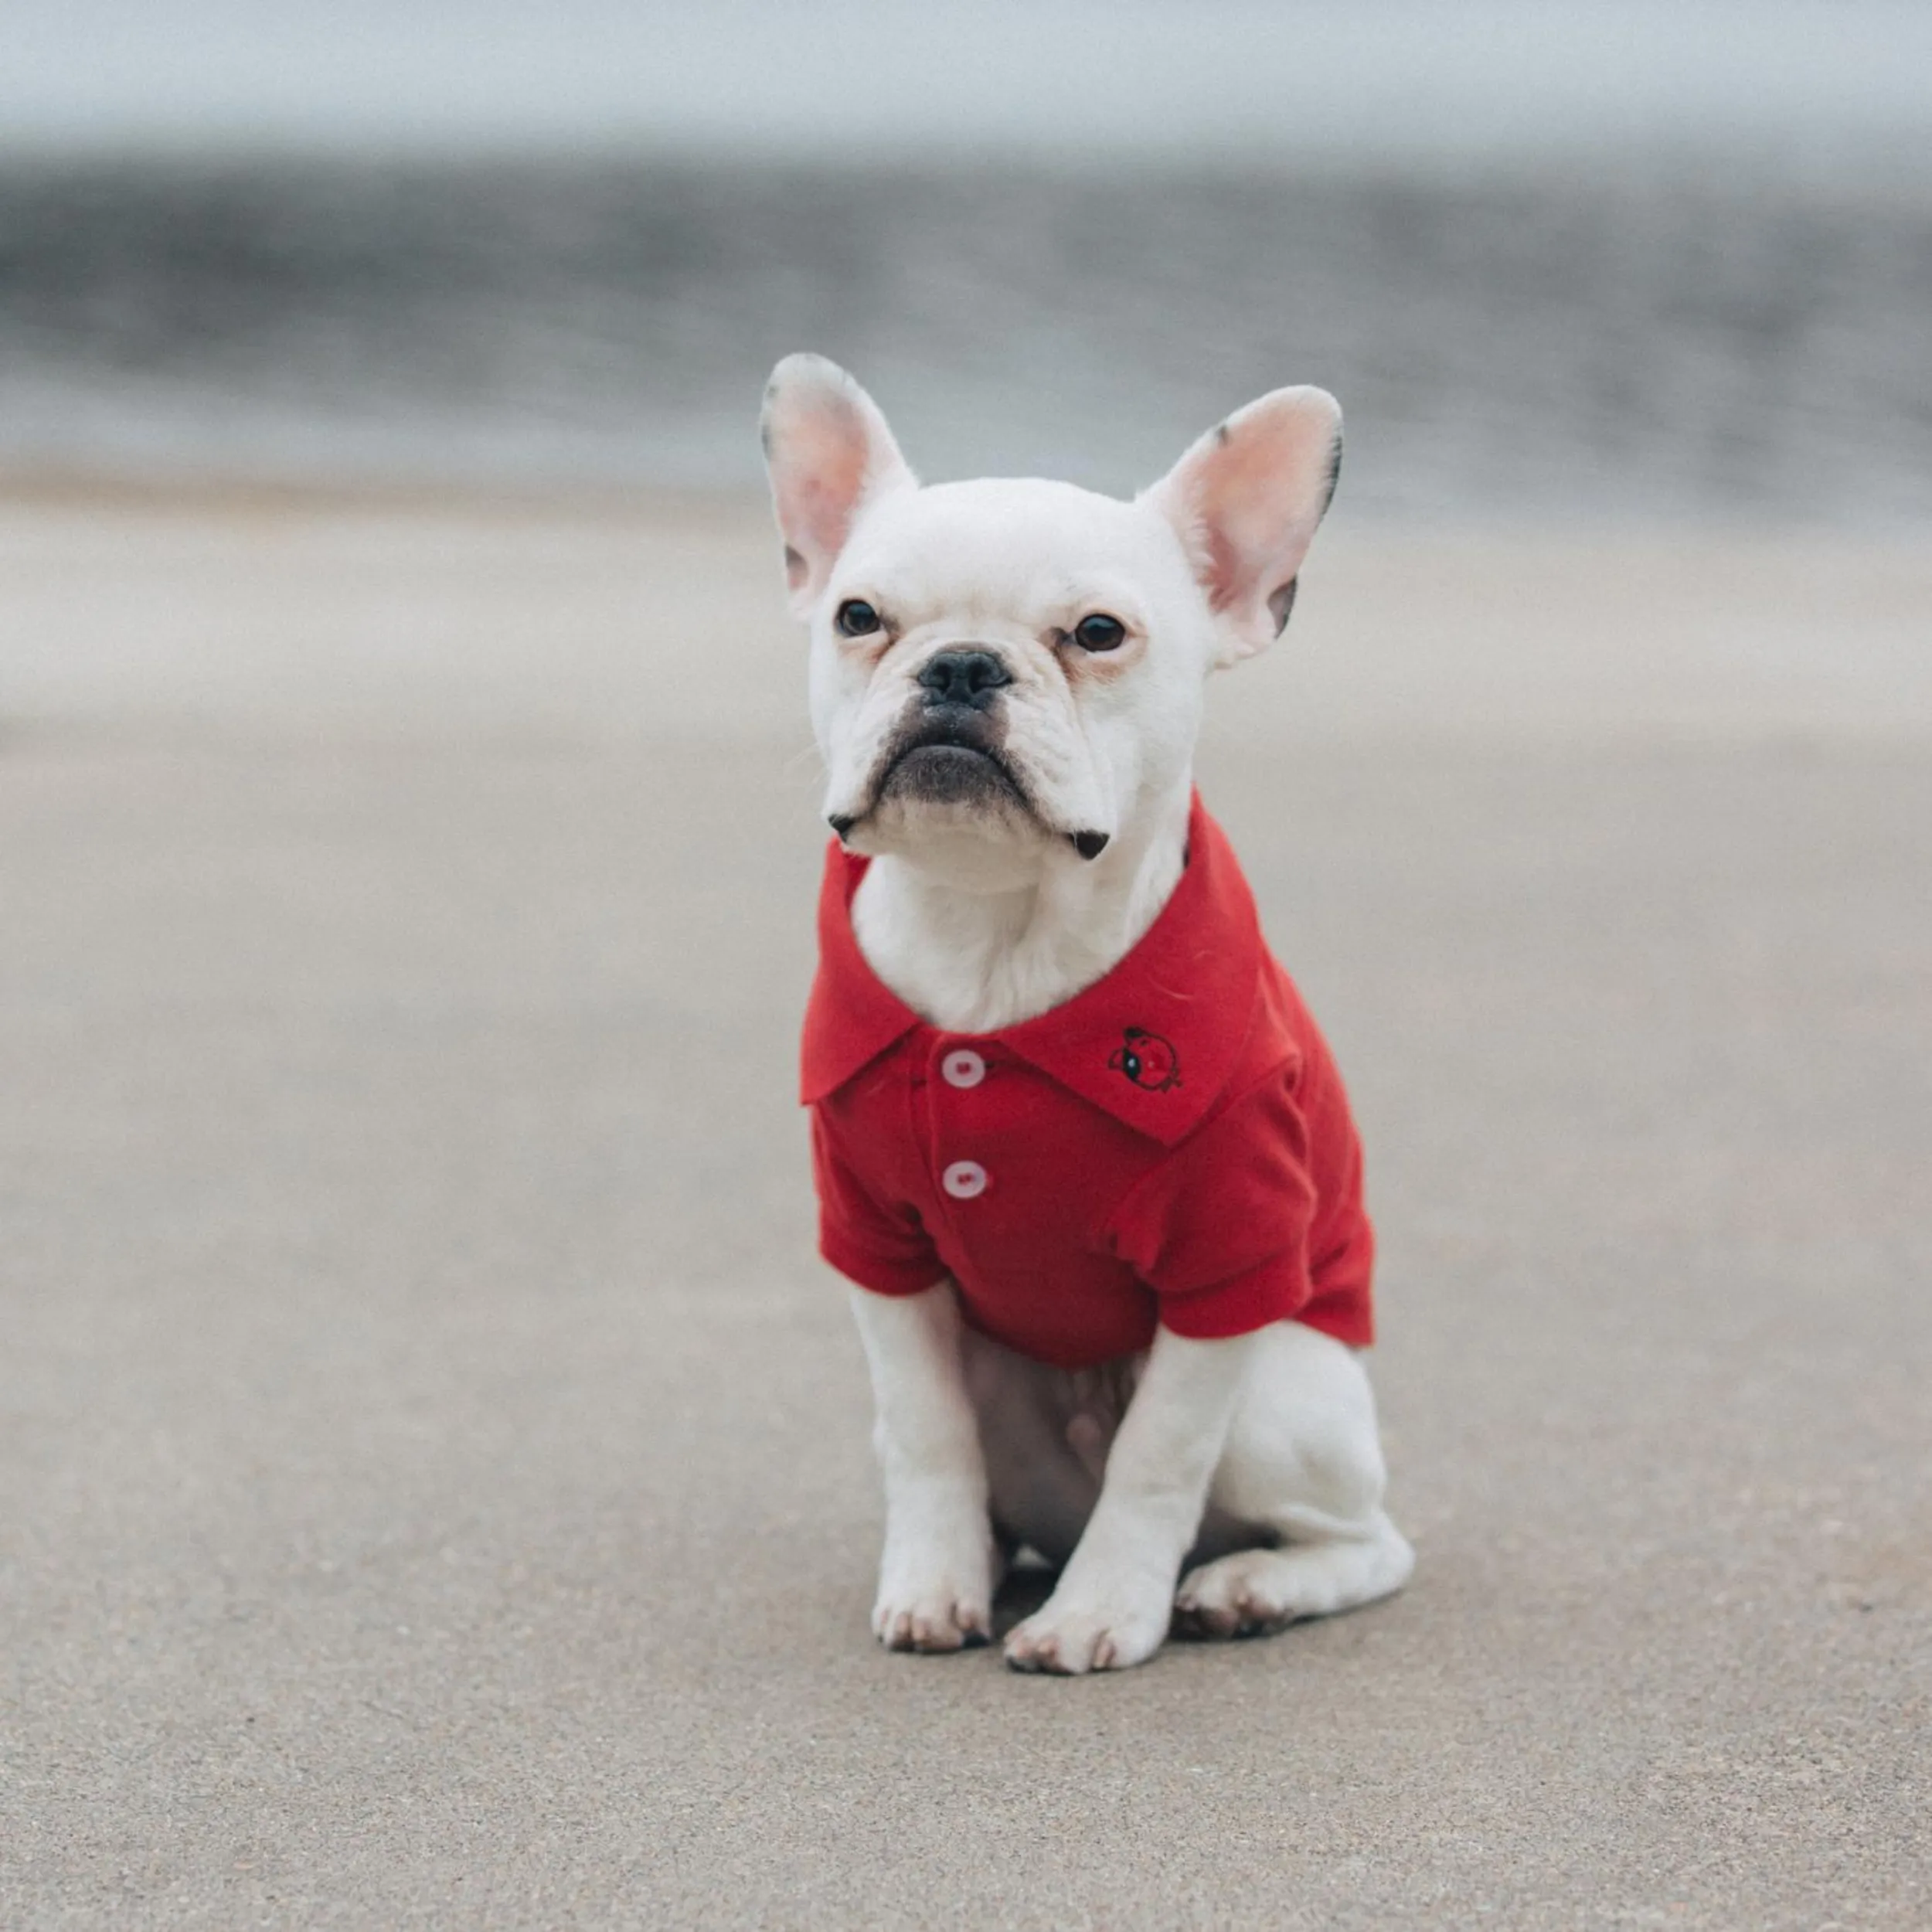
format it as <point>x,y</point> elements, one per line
<point>1071,1638</point>
<point>930,1602</point>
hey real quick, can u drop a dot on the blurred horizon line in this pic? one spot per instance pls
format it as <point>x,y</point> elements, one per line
<point>1883,171</point>
<point>1558,343</point>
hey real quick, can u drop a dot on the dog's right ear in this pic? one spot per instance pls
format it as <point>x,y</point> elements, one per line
<point>1245,502</point>
<point>828,453</point>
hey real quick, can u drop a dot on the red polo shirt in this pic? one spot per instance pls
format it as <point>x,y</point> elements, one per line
<point>1172,1145</point>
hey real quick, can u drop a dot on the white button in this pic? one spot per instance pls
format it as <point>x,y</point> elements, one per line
<point>963,1179</point>
<point>963,1067</point>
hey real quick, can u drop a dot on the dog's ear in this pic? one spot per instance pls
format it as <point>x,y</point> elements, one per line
<point>1246,500</point>
<point>828,452</point>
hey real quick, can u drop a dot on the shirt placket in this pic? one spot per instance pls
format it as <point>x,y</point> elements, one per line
<point>959,1158</point>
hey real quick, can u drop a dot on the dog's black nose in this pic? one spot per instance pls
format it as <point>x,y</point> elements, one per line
<point>963,677</point>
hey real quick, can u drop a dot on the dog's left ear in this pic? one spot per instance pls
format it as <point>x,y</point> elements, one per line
<point>829,452</point>
<point>1246,500</point>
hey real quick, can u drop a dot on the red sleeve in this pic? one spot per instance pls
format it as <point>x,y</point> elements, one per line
<point>879,1247</point>
<point>1219,1229</point>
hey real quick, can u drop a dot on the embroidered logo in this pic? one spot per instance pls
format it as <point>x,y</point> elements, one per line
<point>1148,1061</point>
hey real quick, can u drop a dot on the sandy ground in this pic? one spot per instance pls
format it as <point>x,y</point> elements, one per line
<point>434,1488</point>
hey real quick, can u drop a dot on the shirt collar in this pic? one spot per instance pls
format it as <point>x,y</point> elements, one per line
<point>1153,1043</point>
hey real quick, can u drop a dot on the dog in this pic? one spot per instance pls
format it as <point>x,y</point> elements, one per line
<point>1080,1151</point>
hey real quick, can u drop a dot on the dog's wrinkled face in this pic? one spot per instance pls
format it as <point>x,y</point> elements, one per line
<point>1006,672</point>
<point>1003,665</point>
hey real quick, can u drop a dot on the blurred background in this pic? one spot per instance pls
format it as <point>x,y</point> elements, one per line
<point>1558,259</point>
<point>433,1480</point>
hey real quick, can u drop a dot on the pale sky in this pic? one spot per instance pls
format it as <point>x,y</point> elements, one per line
<point>1807,79</point>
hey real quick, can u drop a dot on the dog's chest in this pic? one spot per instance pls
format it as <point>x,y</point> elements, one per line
<point>974,964</point>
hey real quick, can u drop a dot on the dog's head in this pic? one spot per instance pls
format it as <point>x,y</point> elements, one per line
<point>1006,674</point>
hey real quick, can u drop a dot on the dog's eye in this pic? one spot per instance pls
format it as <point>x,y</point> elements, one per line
<point>855,617</point>
<point>1100,632</point>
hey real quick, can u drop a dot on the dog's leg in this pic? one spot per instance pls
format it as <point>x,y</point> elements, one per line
<point>1115,1598</point>
<point>1303,1463</point>
<point>936,1578</point>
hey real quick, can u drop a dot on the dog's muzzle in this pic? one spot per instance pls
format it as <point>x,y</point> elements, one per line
<point>949,748</point>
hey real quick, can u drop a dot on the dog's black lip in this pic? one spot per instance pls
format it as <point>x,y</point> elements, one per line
<point>946,734</point>
<point>941,735</point>
<point>992,758</point>
<point>899,756</point>
<point>945,728</point>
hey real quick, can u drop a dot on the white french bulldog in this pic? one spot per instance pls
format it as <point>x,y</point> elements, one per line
<point>1007,681</point>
